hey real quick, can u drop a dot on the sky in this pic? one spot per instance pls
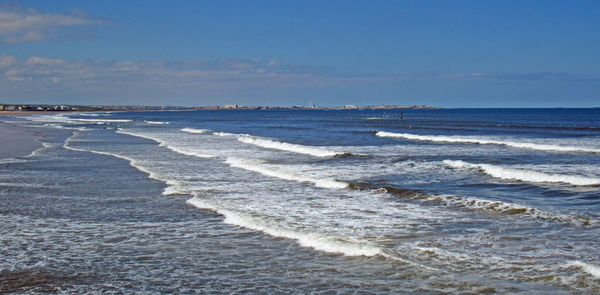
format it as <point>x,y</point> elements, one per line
<point>199,53</point>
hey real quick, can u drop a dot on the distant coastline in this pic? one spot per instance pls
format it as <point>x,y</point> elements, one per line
<point>37,108</point>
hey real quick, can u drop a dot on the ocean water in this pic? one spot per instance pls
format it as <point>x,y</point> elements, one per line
<point>305,201</point>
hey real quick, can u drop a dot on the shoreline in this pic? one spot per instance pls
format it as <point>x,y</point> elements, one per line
<point>17,141</point>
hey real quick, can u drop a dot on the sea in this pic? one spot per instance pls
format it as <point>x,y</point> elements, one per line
<point>430,201</point>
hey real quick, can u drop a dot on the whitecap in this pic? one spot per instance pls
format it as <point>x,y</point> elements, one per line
<point>290,147</point>
<point>476,140</point>
<point>524,175</point>
<point>282,173</point>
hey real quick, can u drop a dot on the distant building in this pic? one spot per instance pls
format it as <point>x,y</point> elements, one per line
<point>351,106</point>
<point>231,106</point>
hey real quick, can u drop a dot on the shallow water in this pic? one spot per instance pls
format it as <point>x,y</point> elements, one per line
<point>442,201</point>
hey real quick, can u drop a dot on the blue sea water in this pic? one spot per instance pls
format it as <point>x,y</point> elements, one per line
<point>305,201</point>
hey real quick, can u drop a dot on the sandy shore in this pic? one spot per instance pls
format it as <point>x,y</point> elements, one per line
<point>16,141</point>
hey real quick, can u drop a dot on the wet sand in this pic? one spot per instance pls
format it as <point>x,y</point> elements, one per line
<point>16,141</point>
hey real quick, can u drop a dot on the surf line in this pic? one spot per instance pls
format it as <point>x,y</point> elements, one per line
<point>524,175</point>
<point>458,139</point>
<point>319,242</point>
<point>166,144</point>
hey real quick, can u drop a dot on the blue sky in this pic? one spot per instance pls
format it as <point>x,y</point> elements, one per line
<point>443,53</point>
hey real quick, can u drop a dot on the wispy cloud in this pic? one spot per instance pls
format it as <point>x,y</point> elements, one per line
<point>195,81</point>
<point>236,73</point>
<point>30,25</point>
<point>134,79</point>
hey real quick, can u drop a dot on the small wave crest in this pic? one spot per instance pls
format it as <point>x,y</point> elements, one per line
<point>289,147</point>
<point>194,130</point>
<point>305,239</point>
<point>589,268</point>
<point>507,208</point>
<point>524,175</point>
<point>470,203</point>
<point>224,134</point>
<point>167,144</point>
<point>171,189</point>
<point>102,120</point>
<point>157,122</point>
<point>273,171</point>
<point>473,140</point>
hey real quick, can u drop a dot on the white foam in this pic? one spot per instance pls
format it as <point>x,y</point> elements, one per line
<point>290,147</point>
<point>507,208</point>
<point>305,239</point>
<point>224,134</point>
<point>163,143</point>
<point>132,162</point>
<point>102,120</point>
<point>475,140</point>
<point>156,122</point>
<point>524,175</point>
<point>194,130</point>
<point>45,146</point>
<point>273,171</point>
<point>589,268</point>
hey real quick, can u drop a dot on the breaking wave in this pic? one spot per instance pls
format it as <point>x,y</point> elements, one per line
<point>224,134</point>
<point>305,239</point>
<point>507,208</point>
<point>168,145</point>
<point>157,122</point>
<point>524,175</point>
<point>290,147</point>
<point>272,171</point>
<point>101,120</point>
<point>194,130</point>
<point>473,140</point>
<point>132,162</point>
<point>589,268</point>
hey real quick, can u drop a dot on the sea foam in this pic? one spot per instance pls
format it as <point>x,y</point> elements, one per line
<point>474,140</point>
<point>167,144</point>
<point>157,122</point>
<point>305,239</point>
<point>524,175</point>
<point>194,130</point>
<point>278,172</point>
<point>589,268</point>
<point>169,190</point>
<point>290,147</point>
<point>102,120</point>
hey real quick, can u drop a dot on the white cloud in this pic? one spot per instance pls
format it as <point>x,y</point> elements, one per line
<point>37,75</point>
<point>29,25</point>
<point>7,61</point>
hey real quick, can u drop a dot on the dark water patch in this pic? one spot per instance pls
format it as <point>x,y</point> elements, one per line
<point>43,281</point>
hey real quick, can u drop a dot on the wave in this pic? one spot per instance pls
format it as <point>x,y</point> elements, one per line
<point>225,134</point>
<point>101,120</point>
<point>268,170</point>
<point>524,175</point>
<point>472,140</point>
<point>168,145</point>
<point>290,147</point>
<point>195,131</point>
<point>305,239</point>
<point>589,268</point>
<point>156,122</point>
<point>169,190</point>
<point>508,209</point>
<point>496,207</point>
